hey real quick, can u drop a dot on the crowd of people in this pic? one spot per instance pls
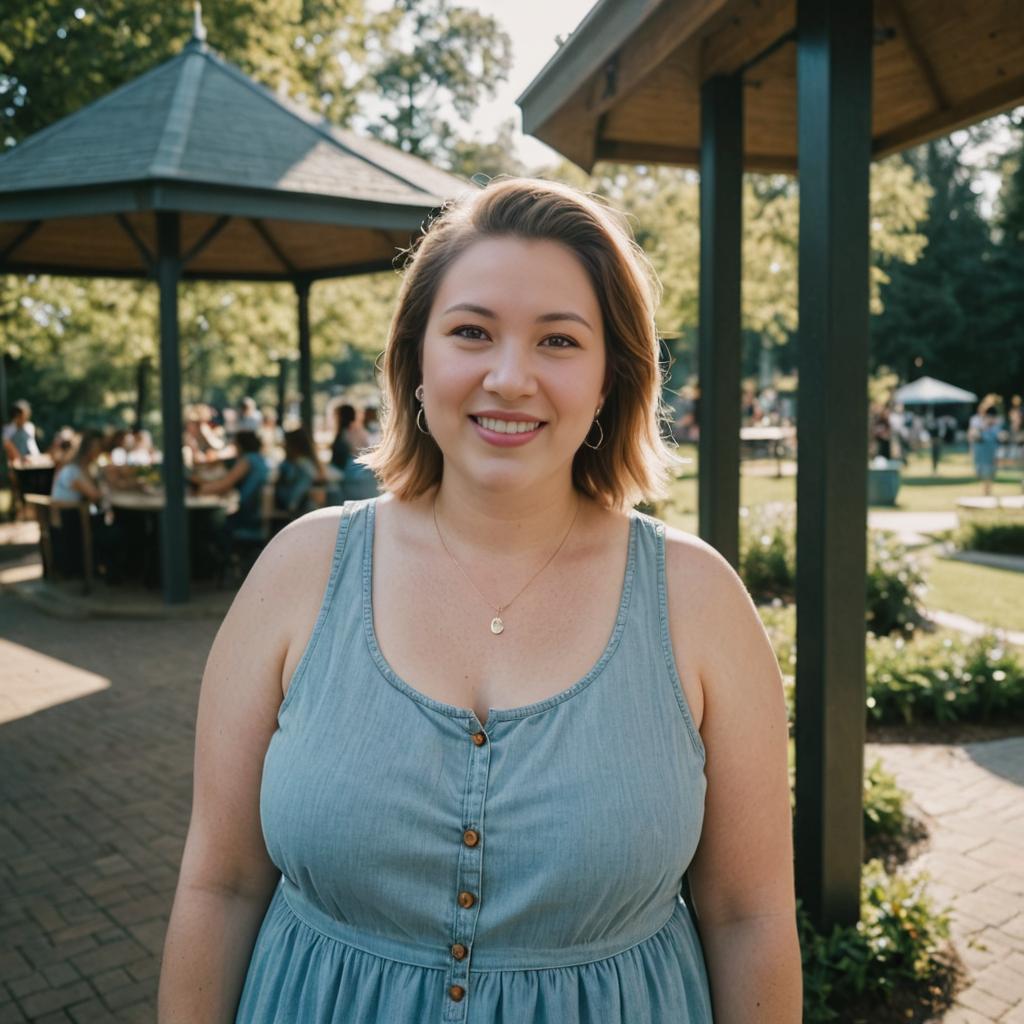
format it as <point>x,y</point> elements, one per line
<point>276,475</point>
<point>897,432</point>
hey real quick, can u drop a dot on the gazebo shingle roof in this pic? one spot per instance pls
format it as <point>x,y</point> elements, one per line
<point>197,135</point>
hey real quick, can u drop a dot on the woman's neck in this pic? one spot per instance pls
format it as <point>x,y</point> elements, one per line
<point>504,525</point>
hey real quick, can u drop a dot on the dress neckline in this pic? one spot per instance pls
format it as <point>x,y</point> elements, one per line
<point>493,714</point>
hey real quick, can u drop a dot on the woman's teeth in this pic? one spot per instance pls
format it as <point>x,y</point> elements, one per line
<point>507,426</point>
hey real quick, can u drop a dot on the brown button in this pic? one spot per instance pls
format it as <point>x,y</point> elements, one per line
<point>459,951</point>
<point>457,992</point>
<point>479,738</point>
<point>471,837</point>
<point>466,900</point>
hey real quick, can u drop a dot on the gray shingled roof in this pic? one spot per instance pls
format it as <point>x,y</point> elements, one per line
<point>198,118</point>
<point>196,135</point>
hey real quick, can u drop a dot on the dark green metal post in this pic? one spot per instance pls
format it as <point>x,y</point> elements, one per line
<point>174,522</point>
<point>834,125</point>
<point>302,286</point>
<point>141,391</point>
<point>721,222</point>
<point>282,389</point>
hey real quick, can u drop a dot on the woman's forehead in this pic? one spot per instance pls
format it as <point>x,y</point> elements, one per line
<point>508,275</point>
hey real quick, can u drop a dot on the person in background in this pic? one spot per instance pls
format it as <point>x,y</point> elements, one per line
<point>73,483</point>
<point>351,439</point>
<point>300,477</point>
<point>986,445</point>
<point>19,435</point>
<point>142,451</point>
<point>941,431</point>
<point>271,434</point>
<point>341,447</point>
<point>248,475</point>
<point>249,417</point>
<point>371,424</point>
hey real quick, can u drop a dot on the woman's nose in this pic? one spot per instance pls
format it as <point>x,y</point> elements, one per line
<point>511,373</point>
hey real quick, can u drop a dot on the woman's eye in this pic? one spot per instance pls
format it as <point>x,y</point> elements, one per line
<point>561,337</point>
<point>475,333</point>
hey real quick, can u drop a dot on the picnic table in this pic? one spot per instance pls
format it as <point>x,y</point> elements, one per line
<point>777,441</point>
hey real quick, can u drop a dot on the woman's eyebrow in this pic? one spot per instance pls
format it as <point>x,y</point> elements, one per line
<point>544,318</point>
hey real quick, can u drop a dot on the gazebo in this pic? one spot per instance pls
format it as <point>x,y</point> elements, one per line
<point>820,89</point>
<point>194,171</point>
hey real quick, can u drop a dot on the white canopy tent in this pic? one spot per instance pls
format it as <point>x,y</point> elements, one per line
<point>929,391</point>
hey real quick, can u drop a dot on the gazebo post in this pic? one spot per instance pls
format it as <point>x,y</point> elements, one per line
<point>834,67</point>
<point>721,217</point>
<point>302,286</point>
<point>173,521</point>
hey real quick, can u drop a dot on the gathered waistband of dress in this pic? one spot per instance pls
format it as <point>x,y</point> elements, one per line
<point>439,958</point>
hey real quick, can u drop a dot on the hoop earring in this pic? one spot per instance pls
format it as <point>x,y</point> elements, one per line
<point>419,397</point>
<point>599,443</point>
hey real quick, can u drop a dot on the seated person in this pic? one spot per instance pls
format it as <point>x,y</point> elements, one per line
<point>73,483</point>
<point>300,477</point>
<point>248,475</point>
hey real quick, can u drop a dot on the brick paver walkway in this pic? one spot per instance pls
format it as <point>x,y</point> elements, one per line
<point>972,799</point>
<point>96,734</point>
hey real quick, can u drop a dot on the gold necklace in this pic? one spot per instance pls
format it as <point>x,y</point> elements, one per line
<point>497,626</point>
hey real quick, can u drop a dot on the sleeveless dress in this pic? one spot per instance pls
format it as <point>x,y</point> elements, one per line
<point>436,869</point>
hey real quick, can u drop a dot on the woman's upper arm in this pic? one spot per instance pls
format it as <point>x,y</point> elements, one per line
<point>743,866</point>
<point>239,700</point>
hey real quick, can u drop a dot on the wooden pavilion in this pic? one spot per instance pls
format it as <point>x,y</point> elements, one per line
<point>816,88</point>
<point>193,171</point>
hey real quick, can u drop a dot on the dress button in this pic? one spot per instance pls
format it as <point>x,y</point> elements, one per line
<point>466,900</point>
<point>471,837</point>
<point>457,992</point>
<point>479,738</point>
<point>459,951</point>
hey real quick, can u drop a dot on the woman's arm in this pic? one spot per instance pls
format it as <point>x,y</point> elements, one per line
<point>227,878</point>
<point>84,485</point>
<point>741,878</point>
<point>228,481</point>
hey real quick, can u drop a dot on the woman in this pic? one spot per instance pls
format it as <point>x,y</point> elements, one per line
<point>248,475</point>
<point>73,483</point>
<point>985,438</point>
<point>349,440</point>
<point>457,745</point>
<point>300,477</point>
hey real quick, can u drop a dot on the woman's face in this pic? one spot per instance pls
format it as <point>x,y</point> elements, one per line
<point>515,330</point>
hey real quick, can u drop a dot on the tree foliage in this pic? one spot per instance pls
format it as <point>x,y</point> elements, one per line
<point>957,313</point>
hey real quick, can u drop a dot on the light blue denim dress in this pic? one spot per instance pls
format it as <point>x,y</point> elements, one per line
<point>436,870</point>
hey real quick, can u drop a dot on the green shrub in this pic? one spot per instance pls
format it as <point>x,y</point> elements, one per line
<point>895,950</point>
<point>894,585</point>
<point>929,678</point>
<point>987,534</point>
<point>885,815</point>
<point>768,552</point>
<point>943,679</point>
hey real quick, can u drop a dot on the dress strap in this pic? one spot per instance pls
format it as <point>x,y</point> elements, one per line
<point>653,612</point>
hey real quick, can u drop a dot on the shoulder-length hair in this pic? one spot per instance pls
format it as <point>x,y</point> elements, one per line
<point>634,463</point>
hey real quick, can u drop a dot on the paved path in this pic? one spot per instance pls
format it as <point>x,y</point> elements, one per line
<point>96,733</point>
<point>972,799</point>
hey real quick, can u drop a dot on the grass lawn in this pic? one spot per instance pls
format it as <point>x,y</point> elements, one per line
<point>978,591</point>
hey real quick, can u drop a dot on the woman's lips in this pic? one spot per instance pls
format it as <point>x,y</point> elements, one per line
<point>505,440</point>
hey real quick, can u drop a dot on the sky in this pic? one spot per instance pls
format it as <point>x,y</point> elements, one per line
<point>533,26</point>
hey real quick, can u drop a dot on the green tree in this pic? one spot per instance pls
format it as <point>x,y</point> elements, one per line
<point>434,55</point>
<point>955,313</point>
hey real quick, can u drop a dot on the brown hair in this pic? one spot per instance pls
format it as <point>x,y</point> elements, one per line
<point>634,462</point>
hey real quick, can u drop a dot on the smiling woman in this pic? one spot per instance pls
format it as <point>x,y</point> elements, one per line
<point>457,746</point>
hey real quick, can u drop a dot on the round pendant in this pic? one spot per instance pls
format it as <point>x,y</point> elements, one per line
<point>497,625</point>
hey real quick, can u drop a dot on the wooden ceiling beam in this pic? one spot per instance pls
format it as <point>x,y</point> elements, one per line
<point>894,8</point>
<point>941,122</point>
<point>684,156</point>
<point>751,30</point>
